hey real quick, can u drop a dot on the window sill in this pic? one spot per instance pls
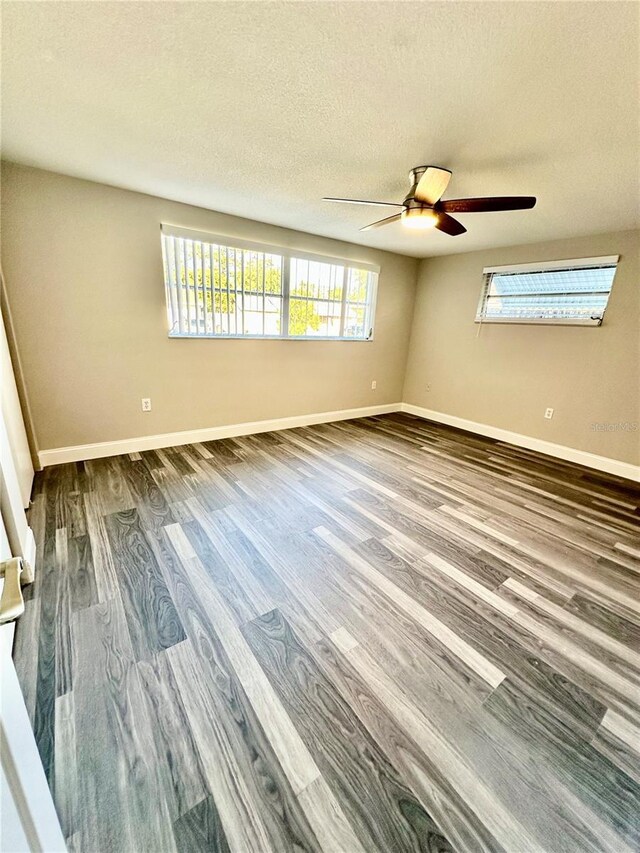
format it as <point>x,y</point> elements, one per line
<point>268,338</point>
<point>532,321</point>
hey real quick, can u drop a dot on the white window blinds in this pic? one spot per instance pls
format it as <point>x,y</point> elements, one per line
<point>219,288</point>
<point>572,291</point>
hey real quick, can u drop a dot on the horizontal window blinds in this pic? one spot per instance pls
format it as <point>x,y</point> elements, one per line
<point>570,294</point>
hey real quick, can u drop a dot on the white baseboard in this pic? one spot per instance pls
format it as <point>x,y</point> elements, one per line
<point>560,451</point>
<point>59,455</point>
<point>80,452</point>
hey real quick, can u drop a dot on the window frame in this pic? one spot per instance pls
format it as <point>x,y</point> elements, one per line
<point>287,253</point>
<point>542,267</point>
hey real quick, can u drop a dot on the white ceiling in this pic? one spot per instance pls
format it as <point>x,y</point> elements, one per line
<point>260,109</point>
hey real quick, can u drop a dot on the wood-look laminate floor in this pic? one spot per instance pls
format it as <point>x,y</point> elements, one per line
<point>372,636</point>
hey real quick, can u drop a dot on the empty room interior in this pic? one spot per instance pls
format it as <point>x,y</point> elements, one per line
<point>320,435</point>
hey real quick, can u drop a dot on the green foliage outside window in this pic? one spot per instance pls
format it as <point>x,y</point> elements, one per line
<point>247,273</point>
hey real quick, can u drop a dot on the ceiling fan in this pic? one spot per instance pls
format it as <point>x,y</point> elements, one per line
<point>423,207</point>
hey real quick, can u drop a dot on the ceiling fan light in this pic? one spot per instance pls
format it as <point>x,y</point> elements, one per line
<point>418,218</point>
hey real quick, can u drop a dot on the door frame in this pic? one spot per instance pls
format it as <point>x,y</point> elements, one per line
<point>28,819</point>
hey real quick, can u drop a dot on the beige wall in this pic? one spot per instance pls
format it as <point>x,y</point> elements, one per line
<point>507,375</point>
<point>83,270</point>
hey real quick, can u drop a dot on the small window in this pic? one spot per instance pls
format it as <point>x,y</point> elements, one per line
<point>570,292</point>
<point>216,288</point>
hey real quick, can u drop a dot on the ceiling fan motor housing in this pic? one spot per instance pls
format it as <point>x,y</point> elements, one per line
<point>410,203</point>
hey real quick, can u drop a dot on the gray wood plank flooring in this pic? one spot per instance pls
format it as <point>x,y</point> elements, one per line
<point>373,636</point>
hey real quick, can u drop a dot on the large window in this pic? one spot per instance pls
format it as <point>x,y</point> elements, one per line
<point>223,288</point>
<point>572,292</point>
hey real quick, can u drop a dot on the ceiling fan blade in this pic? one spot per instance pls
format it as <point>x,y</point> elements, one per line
<point>449,225</point>
<point>394,218</point>
<point>485,205</point>
<point>362,201</point>
<point>432,185</point>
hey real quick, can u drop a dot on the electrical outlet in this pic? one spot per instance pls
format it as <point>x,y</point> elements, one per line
<point>548,413</point>
<point>427,388</point>
<point>374,385</point>
<point>146,404</point>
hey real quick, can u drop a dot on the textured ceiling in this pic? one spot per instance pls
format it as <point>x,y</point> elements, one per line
<point>259,109</point>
